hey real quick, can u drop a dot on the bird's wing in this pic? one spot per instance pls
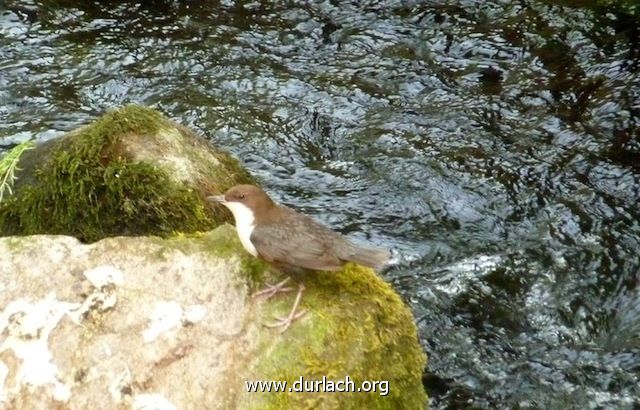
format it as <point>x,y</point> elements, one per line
<point>303,244</point>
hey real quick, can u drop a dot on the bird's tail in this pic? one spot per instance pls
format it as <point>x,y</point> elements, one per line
<point>372,257</point>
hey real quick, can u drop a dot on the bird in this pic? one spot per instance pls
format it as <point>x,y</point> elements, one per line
<point>291,242</point>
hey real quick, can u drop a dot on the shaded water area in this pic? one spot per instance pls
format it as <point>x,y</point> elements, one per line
<point>492,144</point>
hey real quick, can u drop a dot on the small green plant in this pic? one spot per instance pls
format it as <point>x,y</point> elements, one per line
<point>9,165</point>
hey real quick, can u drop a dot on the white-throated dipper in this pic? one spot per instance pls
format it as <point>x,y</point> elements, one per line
<point>290,241</point>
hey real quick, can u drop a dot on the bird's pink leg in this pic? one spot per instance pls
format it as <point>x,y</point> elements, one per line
<point>272,290</point>
<point>293,315</point>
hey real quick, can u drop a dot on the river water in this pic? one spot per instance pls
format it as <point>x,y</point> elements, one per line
<point>493,145</point>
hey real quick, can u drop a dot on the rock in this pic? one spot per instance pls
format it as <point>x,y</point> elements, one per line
<point>130,172</point>
<point>167,322</point>
<point>146,322</point>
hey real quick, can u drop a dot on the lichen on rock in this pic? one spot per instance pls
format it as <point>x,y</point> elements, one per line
<point>147,319</point>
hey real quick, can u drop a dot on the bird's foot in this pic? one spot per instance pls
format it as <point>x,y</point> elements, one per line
<point>285,322</point>
<point>272,290</point>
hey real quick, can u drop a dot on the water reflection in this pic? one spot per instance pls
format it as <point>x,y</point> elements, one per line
<point>493,145</point>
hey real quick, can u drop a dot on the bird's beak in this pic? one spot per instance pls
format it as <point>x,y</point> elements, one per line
<point>216,198</point>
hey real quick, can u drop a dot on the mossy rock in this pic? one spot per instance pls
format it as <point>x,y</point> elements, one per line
<point>356,326</point>
<point>116,328</point>
<point>130,172</point>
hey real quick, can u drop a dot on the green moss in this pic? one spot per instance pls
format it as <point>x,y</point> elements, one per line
<point>356,326</point>
<point>87,183</point>
<point>224,242</point>
<point>16,245</point>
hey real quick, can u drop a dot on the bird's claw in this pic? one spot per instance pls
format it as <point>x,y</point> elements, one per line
<point>272,290</point>
<point>285,322</point>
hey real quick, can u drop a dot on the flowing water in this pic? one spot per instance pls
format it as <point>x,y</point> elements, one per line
<point>494,145</point>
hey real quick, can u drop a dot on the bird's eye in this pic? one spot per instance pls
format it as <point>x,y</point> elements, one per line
<point>241,196</point>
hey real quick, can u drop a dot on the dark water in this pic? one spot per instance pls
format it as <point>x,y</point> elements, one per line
<point>492,144</point>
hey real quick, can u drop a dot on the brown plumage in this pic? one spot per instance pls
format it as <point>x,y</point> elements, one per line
<point>294,240</point>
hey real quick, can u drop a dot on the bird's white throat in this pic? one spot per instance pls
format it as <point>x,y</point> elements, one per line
<point>244,224</point>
